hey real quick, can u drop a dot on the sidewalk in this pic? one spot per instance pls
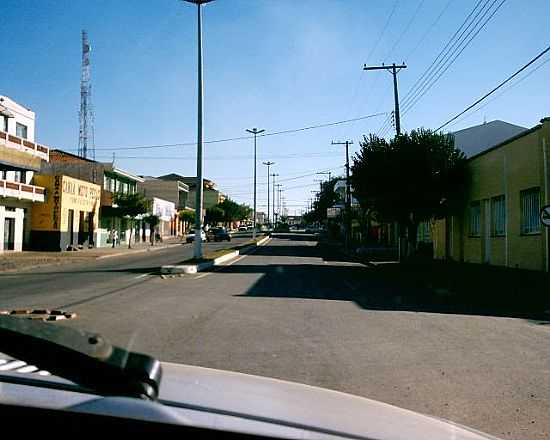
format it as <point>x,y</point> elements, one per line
<point>452,287</point>
<point>16,261</point>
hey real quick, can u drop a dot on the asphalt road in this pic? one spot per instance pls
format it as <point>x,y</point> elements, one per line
<point>62,286</point>
<point>292,311</point>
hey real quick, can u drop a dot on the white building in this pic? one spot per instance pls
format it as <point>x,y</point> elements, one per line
<point>20,157</point>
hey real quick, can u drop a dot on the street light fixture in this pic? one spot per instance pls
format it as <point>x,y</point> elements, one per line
<point>255,132</point>
<point>197,250</point>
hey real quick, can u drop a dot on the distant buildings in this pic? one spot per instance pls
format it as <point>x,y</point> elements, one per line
<point>20,159</point>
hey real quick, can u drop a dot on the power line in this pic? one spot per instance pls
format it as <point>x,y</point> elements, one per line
<point>511,86</point>
<point>441,53</point>
<point>430,28</point>
<point>225,158</point>
<point>240,138</point>
<point>373,49</point>
<point>406,28</point>
<point>517,72</point>
<point>457,54</point>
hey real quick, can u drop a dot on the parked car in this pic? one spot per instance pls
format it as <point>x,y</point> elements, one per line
<point>190,237</point>
<point>282,227</point>
<point>218,234</point>
<point>243,228</point>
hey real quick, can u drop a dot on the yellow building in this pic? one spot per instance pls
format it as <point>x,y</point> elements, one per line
<point>509,183</point>
<point>70,215</point>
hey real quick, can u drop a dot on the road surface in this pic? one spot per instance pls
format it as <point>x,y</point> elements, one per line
<point>292,311</point>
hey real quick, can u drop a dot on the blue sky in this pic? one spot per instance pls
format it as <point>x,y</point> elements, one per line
<point>272,64</point>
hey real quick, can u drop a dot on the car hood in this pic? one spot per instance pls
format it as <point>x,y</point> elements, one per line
<point>230,401</point>
<point>298,405</point>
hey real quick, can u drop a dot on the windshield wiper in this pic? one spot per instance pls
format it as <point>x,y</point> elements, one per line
<point>84,358</point>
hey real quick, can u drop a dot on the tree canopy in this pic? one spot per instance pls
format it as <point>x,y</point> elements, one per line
<point>327,198</point>
<point>130,206</point>
<point>420,174</point>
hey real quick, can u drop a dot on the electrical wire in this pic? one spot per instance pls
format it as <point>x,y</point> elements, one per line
<point>511,86</point>
<point>411,105</point>
<point>430,28</point>
<point>239,138</point>
<point>512,76</point>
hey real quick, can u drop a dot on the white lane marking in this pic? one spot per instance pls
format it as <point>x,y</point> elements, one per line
<point>143,275</point>
<point>202,276</point>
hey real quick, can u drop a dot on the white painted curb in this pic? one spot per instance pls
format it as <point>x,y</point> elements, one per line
<point>194,268</point>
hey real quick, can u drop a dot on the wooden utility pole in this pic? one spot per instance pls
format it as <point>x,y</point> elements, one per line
<point>394,70</point>
<point>347,222</point>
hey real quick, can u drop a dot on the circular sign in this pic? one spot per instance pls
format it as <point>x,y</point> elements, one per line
<point>545,216</point>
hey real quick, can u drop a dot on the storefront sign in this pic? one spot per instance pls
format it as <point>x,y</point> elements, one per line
<point>56,202</point>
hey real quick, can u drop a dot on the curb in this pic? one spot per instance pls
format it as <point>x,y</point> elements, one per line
<point>179,269</point>
<point>138,251</point>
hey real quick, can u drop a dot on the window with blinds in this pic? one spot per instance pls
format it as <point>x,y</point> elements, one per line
<point>475,219</point>
<point>530,207</point>
<point>498,215</point>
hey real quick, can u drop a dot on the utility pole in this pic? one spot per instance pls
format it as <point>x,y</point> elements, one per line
<point>279,192</point>
<point>325,173</point>
<point>255,132</point>
<point>277,214</point>
<point>268,163</point>
<point>348,194</point>
<point>273,201</point>
<point>86,147</point>
<point>394,70</point>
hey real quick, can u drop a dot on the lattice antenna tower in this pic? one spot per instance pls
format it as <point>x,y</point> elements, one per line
<point>86,143</point>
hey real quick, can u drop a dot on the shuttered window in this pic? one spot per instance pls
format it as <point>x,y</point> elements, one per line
<point>498,215</point>
<point>475,219</point>
<point>530,210</point>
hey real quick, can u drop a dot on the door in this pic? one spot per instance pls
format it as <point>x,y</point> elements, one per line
<point>70,226</point>
<point>487,231</point>
<point>9,234</point>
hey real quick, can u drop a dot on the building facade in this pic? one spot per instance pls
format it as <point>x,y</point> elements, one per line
<point>500,224</point>
<point>70,216</point>
<point>174,191</point>
<point>111,179</point>
<point>20,158</point>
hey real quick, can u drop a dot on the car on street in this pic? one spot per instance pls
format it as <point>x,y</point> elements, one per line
<point>190,237</point>
<point>218,234</point>
<point>243,229</point>
<point>73,381</point>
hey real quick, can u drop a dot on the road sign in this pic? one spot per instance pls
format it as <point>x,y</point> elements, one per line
<point>333,212</point>
<point>545,216</point>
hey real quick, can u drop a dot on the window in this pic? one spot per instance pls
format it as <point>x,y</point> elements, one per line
<point>5,123</point>
<point>17,176</point>
<point>530,207</point>
<point>106,183</point>
<point>424,232</point>
<point>475,216</point>
<point>21,130</point>
<point>3,174</point>
<point>498,216</point>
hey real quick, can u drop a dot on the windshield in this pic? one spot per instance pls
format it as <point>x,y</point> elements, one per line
<point>373,175</point>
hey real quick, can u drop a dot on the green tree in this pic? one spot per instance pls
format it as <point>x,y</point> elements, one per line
<point>327,197</point>
<point>130,206</point>
<point>414,177</point>
<point>187,216</point>
<point>214,215</point>
<point>152,220</point>
<point>232,211</point>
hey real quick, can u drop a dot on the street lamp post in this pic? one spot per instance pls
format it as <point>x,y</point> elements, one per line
<point>197,250</point>
<point>255,132</point>
<point>278,213</point>
<point>273,210</point>
<point>268,163</point>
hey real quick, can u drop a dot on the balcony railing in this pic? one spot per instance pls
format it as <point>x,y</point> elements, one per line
<point>20,144</point>
<point>22,191</point>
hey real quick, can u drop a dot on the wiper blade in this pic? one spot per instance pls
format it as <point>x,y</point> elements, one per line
<point>84,358</point>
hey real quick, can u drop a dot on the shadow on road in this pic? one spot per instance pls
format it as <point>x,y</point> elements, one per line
<point>366,288</point>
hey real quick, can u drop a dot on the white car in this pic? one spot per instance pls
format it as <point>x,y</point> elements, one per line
<point>71,381</point>
<point>190,237</point>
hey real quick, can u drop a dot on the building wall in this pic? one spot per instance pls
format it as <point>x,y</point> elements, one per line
<point>50,220</point>
<point>506,170</point>
<point>21,114</point>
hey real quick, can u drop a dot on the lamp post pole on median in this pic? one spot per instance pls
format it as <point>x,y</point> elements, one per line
<point>255,132</point>
<point>273,201</point>
<point>197,250</point>
<point>268,163</point>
